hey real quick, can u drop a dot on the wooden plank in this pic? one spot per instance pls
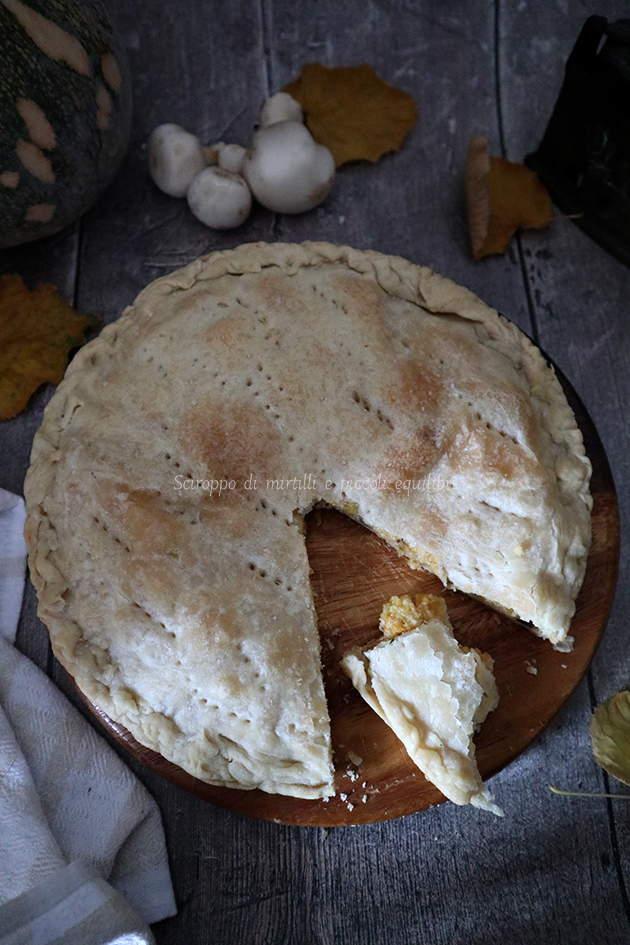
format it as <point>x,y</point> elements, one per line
<point>199,67</point>
<point>577,296</point>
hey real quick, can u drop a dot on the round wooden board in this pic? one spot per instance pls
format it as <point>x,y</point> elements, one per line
<point>354,573</point>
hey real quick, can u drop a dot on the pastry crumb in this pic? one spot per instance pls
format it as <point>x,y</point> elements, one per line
<point>565,646</point>
<point>354,758</point>
<point>401,614</point>
<point>532,670</point>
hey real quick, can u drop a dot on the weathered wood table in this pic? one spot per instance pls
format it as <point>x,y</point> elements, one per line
<point>555,869</point>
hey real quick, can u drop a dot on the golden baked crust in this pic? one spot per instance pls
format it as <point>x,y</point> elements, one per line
<point>187,616</point>
<point>432,693</point>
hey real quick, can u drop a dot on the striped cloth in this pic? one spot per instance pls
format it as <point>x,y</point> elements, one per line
<point>72,815</point>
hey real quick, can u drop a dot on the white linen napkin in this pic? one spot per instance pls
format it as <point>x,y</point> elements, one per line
<point>71,812</point>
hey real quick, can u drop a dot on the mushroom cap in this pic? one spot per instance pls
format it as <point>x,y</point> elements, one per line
<point>280,107</point>
<point>175,159</point>
<point>286,169</point>
<point>231,157</point>
<point>219,198</point>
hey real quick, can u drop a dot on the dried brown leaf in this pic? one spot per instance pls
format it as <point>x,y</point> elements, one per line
<point>610,733</point>
<point>352,111</point>
<point>502,198</point>
<point>37,331</point>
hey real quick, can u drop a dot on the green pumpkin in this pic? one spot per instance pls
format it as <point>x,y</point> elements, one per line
<point>65,113</point>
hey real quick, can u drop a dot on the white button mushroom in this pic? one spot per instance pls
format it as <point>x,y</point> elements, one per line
<point>287,170</point>
<point>280,107</point>
<point>219,198</point>
<point>231,157</point>
<point>175,159</point>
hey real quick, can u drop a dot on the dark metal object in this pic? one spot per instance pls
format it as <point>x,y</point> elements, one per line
<point>584,157</point>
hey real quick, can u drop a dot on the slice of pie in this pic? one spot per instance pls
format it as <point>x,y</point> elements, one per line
<point>177,459</point>
<point>432,693</point>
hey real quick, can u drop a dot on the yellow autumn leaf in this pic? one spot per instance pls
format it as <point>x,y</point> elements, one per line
<point>502,198</point>
<point>610,734</point>
<point>38,329</point>
<point>352,111</point>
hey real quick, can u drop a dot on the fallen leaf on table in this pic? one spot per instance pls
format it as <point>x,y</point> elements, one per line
<point>352,111</point>
<point>610,733</point>
<point>38,329</point>
<point>502,198</point>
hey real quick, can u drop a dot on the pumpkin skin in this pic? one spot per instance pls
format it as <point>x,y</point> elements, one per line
<point>65,113</point>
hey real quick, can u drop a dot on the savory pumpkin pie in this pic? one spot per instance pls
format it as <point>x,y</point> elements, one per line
<point>175,464</point>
